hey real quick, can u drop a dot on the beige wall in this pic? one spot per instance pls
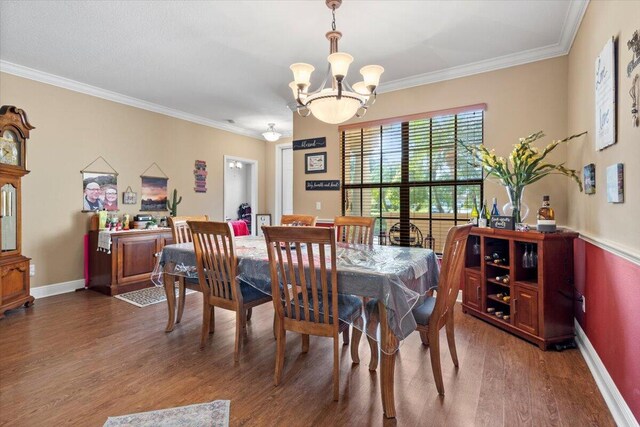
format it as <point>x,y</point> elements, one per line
<point>72,129</point>
<point>617,223</point>
<point>520,100</point>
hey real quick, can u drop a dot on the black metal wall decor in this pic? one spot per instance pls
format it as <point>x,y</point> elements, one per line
<point>323,185</point>
<point>634,47</point>
<point>305,144</point>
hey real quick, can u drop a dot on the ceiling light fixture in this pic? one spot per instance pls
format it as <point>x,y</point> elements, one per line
<point>235,164</point>
<point>338,102</point>
<point>271,135</point>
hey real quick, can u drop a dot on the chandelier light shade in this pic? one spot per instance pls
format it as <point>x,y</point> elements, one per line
<point>335,101</point>
<point>271,135</point>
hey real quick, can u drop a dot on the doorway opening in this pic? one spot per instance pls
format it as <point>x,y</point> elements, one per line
<point>240,193</point>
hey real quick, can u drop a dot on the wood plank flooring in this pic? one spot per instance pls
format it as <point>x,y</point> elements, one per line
<point>77,358</point>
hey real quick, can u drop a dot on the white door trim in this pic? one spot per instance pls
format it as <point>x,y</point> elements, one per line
<point>278,190</point>
<point>254,187</point>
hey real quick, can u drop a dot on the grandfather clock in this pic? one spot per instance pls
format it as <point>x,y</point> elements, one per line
<point>14,267</point>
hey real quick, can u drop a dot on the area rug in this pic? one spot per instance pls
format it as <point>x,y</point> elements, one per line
<point>212,414</point>
<point>147,296</point>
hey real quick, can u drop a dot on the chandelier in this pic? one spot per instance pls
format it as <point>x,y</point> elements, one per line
<point>271,135</point>
<point>337,102</point>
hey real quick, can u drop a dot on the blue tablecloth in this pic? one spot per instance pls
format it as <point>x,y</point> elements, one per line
<point>397,276</point>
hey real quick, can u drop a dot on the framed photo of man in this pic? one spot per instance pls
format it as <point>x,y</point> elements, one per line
<point>99,191</point>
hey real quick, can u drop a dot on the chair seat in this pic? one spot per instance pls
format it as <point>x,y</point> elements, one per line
<point>349,308</point>
<point>250,293</point>
<point>422,313</point>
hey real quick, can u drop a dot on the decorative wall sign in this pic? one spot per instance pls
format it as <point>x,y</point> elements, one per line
<point>634,46</point>
<point>323,185</point>
<point>200,173</point>
<point>315,162</point>
<point>305,144</point>
<point>615,183</point>
<point>605,87</point>
<point>589,178</point>
<point>129,197</point>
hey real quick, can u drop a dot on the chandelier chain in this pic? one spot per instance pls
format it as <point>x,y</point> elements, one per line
<point>333,22</point>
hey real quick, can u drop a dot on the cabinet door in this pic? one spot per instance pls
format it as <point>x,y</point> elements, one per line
<point>472,293</point>
<point>14,281</point>
<point>136,258</point>
<point>526,309</point>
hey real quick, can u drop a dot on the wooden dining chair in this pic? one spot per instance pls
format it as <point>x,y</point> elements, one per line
<point>299,220</point>
<point>437,312</point>
<point>214,245</point>
<point>355,229</point>
<point>305,292</point>
<point>182,234</point>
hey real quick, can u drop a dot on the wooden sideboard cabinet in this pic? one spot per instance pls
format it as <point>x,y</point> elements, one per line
<point>129,265</point>
<point>540,290</point>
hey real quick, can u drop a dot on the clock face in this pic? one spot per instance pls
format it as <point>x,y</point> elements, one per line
<point>9,148</point>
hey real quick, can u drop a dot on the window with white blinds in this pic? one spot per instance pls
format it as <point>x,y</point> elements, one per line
<point>413,176</point>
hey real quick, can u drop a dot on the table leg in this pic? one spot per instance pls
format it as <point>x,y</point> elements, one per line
<point>169,289</point>
<point>388,347</point>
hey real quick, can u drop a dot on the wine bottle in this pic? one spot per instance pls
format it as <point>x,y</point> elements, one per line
<point>494,208</point>
<point>482,220</point>
<point>546,217</point>
<point>474,213</point>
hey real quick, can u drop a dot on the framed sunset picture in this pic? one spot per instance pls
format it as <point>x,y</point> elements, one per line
<point>154,193</point>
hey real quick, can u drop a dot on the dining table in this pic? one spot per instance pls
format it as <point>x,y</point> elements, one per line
<point>395,277</point>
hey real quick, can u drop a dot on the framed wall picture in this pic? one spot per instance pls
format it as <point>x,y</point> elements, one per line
<point>262,219</point>
<point>615,183</point>
<point>100,191</point>
<point>315,162</point>
<point>589,179</point>
<point>605,88</point>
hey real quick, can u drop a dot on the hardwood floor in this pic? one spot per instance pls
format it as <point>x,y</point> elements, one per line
<point>87,356</point>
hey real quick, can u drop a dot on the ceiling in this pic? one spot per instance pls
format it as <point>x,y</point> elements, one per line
<point>214,61</point>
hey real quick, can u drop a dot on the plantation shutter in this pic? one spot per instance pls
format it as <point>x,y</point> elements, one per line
<point>412,175</point>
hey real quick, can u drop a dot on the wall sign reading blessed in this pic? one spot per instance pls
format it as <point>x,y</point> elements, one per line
<point>305,144</point>
<point>326,185</point>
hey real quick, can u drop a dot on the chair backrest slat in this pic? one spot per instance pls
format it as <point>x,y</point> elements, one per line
<point>304,301</point>
<point>355,229</point>
<point>180,229</point>
<point>451,271</point>
<point>214,246</point>
<point>299,220</point>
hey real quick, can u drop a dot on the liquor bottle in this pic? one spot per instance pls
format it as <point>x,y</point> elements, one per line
<point>546,217</point>
<point>482,220</point>
<point>494,208</point>
<point>474,213</point>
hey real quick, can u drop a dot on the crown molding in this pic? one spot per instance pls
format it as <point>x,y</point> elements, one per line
<point>570,27</point>
<point>52,79</point>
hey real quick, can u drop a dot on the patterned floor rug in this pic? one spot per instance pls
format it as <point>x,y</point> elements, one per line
<point>212,414</point>
<point>147,296</point>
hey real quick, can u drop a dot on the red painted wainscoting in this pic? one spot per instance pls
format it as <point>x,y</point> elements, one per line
<point>611,286</point>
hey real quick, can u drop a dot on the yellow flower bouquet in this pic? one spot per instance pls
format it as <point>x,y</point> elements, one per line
<point>524,166</point>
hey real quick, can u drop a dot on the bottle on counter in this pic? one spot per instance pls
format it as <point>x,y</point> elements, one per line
<point>494,207</point>
<point>483,221</point>
<point>546,217</point>
<point>474,213</point>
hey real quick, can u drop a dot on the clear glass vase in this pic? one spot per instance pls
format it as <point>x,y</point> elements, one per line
<point>516,207</point>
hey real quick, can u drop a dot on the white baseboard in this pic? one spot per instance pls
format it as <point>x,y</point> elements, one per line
<point>619,409</point>
<point>57,288</point>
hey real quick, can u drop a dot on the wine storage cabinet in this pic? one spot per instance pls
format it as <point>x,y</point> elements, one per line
<point>521,282</point>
